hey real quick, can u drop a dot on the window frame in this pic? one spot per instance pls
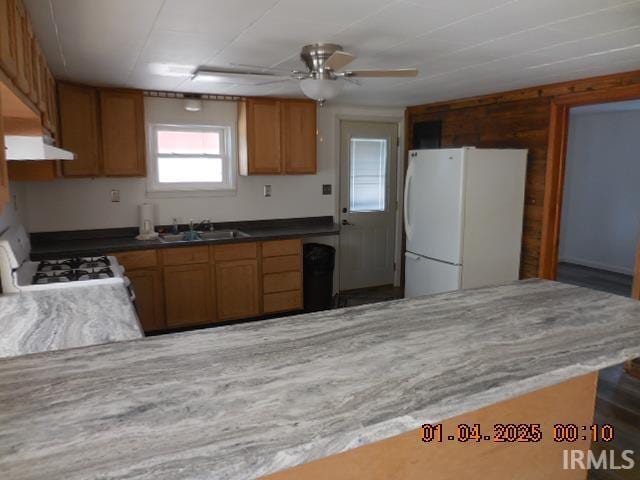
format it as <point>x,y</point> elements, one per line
<point>387,170</point>
<point>227,155</point>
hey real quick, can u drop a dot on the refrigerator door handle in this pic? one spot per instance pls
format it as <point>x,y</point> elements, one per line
<point>412,256</point>
<point>407,186</point>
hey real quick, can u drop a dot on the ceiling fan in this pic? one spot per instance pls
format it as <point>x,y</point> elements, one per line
<point>323,80</point>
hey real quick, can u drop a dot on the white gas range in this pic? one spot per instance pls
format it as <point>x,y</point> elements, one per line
<point>18,273</point>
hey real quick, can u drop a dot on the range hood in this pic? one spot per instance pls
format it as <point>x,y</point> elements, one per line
<point>24,137</point>
<point>23,147</point>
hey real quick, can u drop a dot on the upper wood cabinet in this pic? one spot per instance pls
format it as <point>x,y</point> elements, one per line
<point>123,140</point>
<point>104,128</point>
<point>50,114</point>
<point>4,176</point>
<point>259,131</point>
<point>34,68</point>
<point>277,136</point>
<point>23,49</point>
<point>8,50</point>
<point>299,136</point>
<point>79,130</point>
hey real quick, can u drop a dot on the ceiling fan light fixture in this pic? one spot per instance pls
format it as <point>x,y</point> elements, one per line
<point>321,89</point>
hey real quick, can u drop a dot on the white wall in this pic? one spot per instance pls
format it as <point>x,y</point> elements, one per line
<point>76,204</point>
<point>15,211</point>
<point>600,224</point>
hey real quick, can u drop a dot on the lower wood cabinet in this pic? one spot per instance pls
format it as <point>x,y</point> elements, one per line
<point>189,295</point>
<point>198,285</point>
<point>147,285</point>
<point>282,275</point>
<point>237,289</point>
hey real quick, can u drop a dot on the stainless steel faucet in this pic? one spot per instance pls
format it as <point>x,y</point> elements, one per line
<point>205,226</point>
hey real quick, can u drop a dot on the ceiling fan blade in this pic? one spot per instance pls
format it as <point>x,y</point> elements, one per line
<point>227,76</point>
<point>399,72</point>
<point>282,80</point>
<point>338,60</point>
<point>258,68</point>
<point>351,80</point>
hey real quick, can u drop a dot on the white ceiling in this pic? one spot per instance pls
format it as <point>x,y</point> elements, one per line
<point>462,47</point>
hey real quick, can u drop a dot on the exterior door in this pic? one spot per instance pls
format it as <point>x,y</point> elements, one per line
<point>368,203</point>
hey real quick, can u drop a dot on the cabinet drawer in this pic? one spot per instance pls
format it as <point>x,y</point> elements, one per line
<point>290,263</point>
<point>138,259</point>
<point>234,251</point>
<point>185,255</point>
<point>281,247</point>
<point>282,282</point>
<point>282,302</point>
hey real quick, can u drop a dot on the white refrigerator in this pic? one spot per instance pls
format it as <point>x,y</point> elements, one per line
<point>463,213</point>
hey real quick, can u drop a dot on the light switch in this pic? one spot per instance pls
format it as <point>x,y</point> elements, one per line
<point>115,196</point>
<point>326,189</point>
<point>267,190</point>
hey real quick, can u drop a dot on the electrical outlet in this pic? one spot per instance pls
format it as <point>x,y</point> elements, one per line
<point>267,190</point>
<point>115,196</point>
<point>326,189</point>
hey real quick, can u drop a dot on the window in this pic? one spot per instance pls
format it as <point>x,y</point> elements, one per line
<point>368,175</point>
<point>191,158</point>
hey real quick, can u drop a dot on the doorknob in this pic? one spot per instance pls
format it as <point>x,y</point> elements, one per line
<point>346,222</point>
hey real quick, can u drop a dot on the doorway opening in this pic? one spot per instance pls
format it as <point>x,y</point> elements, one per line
<point>600,215</point>
<point>368,205</point>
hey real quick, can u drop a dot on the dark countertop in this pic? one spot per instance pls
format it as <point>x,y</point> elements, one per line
<point>52,245</point>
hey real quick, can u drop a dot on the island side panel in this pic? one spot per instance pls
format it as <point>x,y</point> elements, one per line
<point>406,457</point>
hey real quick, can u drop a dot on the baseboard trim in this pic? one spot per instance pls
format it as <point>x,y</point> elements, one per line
<point>600,266</point>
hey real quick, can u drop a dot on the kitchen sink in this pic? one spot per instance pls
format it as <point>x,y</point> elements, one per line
<point>222,235</point>
<point>202,236</point>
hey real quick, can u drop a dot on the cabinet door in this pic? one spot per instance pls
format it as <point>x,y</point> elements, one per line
<point>237,289</point>
<point>122,115</point>
<point>8,53</point>
<point>79,130</point>
<point>34,70</point>
<point>51,114</point>
<point>4,176</point>
<point>263,136</point>
<point>188,295</point>
<point>299,136</point>
<point>23,57</point>
<point>147,285</point>
<point>43,88</point>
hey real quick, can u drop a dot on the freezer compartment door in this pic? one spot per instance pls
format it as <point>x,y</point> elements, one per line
<point>424,276</point>
<point>434,204</point>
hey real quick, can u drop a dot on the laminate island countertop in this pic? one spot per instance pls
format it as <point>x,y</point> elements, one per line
<point>60,318</point>
<point>243,401</point>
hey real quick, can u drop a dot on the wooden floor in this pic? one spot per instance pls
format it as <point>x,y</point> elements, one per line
<point>618,400</point>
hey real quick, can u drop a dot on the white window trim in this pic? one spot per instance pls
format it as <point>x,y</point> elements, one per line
<point>192,189</point>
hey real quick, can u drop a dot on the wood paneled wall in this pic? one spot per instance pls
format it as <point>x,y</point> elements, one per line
<point>516,119</point>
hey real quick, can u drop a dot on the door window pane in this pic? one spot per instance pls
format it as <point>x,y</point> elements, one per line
<point>189,170</point>
<point>188,143</point>
<point>368,175</point>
